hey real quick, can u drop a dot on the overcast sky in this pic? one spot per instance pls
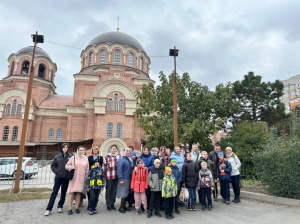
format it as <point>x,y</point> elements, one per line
<point>219,41</point>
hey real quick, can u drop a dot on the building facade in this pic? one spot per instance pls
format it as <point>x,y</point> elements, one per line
<point>100,112</point>
<point>291,93</point>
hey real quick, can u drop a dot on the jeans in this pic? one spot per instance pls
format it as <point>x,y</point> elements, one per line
<point>169,205</point>
<point>94,197</point>
<point>192,195</point>
<point>225,192</point>
<point>111,192</point>
<point>58,182</point>
<point>155,196</point>
<point>205,194</point>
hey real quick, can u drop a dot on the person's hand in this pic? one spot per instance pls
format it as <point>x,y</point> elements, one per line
<point>88,190</point>
<point>222,171</point>
<point>122,182</point>
<point>212,188</point>
<point>198,188</point>
<point>216,180</point>
<point>135,169</point>
<point>72,167</point>
<point>152,187</point>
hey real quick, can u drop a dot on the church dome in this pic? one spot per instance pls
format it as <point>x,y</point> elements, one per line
<point>116,37</point>
<point>38,51</point>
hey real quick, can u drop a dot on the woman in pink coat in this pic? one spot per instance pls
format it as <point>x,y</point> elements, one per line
<point>77,184</point>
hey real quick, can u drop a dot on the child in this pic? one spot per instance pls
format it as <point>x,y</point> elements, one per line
<point>169,191</point>
<point>205,185</point>
<point>190,180</point>
<point>94,183</point>
<point>177,174</point>
<point>134,158</point>
<point>139,184</point>
<point>223,173</point>
<point>155,178</point>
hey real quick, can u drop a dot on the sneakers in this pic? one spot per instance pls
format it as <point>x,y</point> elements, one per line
<point>149,214</point>
<point>168,217</point>
<point>171,215</point>
<point>91,212</point>
<point>137,211</point>
<point>193,207</point>
<point>122,210</point>
<point>190,207</point>
<point>70,212</point>
<point>209,207</point>
<point>95,211</point>
<point>113,207</point>
<point>108,208</point>
<point>227,202</point>
<point>158,214</point>
<point>47,213</point>
<point>59,210</point>
<point>203,208</point>
<point>77,211</point>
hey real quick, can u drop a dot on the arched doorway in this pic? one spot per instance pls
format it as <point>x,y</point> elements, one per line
<point>106,145</point>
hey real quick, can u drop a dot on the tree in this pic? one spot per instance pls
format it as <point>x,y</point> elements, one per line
<point>201,112</point>
<point>259,101</point>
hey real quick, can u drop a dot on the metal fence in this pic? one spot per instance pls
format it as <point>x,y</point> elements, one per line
<point>40,175</point>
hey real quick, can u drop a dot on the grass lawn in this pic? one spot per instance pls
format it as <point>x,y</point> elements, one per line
<point>26,194</point>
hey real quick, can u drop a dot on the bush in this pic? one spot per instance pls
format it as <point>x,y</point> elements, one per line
<point>278,166</point>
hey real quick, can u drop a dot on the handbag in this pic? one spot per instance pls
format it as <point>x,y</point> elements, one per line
<point>184,194</point>
<point>70,173</point>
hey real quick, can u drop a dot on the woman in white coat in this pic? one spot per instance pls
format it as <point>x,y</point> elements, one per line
<point>235,173</point>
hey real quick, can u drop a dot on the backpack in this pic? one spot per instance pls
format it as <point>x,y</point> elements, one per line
<point>184,194</point>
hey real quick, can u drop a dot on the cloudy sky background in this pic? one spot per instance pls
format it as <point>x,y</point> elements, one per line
<point>219,41</point>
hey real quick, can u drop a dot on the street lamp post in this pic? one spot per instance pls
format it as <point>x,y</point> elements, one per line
<point>36,39</point>
<point>174,52</point>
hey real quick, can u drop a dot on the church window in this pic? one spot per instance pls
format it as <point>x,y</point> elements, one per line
<point>102,57</point>
<point>91,59</point>
<point>15,134</point>
<point>14,108</point>
<point>8,109</point>
<point>121,105</point>
<point>5,133</point>
<point>25,68</point>
<point>109,130</point>
<point>119,130</point>
<point>109,104</point>
<point>116,102</point>
<point>41,72</point>
<point>130,60</point>
<point>19,110</point>
<point>141,63</point>
<point>51,134</point>
<point>12,67</point>
<point>59,134</point>
<point>117,57</point>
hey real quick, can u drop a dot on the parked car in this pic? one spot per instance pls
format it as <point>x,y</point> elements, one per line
<point>8,167</point>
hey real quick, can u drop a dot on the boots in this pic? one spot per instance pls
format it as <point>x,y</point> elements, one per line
<point>157,214</point>
<point>149,214</point>
<point>168,216</point>
<point>122,205</point>
<point>209,207</point>
<point>177,211</point>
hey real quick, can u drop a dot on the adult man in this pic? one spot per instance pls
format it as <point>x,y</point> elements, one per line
<point>213,156</point>
<point>58,167</point>
<point>195,153</point>
<point>110,165</point>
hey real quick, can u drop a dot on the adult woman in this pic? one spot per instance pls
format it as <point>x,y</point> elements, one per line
<point>124,171</point>
<point>76,186</point>
<point>162,151</point>
<point>235,173</point>
<point>183,151</point>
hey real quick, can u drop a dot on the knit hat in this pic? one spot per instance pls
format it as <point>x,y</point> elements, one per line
<point>220,153</point>
<point>167,169</point>
<point>96,161</point>
<point>203,163</point>
<point>156,161</point>
<point>133,154</point>
<point>173,160</point>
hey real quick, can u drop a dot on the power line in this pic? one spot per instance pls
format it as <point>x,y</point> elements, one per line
<point>179,67</point>
<point>63,45</point>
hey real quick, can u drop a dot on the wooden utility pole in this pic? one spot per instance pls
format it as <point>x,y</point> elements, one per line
<point>175,101</point>
<point>26,115</point>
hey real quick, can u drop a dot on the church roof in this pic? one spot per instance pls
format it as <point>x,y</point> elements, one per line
<point>38,51</point>
<point>54,101</point>
<point>116,37</point>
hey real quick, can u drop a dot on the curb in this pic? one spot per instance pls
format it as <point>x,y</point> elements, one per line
<point>268,198</point>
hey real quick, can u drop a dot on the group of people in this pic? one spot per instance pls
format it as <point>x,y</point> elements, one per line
<point>151,181</point>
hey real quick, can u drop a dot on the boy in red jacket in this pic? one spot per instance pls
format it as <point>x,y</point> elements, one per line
<point>139,184</point>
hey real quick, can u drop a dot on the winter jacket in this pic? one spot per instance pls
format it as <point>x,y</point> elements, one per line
<point>95,178</point>
<point>177,174</point>
<point>139,181</point>
<point>235,164</point>
<point>148,161</point>
<point>212,156</point>
<point>179,159</point>
<point>196,156</point>
<point>190,174</point>
<point>124,169</point>
<point>110,166</point>
<point>92,161</point>
<point>206,179</point>
<point>169,186</point>
<point>224,165</point>
<point>155,178</point>
<point>58,165</point>
<point>209,163</point>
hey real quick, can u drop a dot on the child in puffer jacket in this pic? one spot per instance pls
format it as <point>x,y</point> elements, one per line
<point>139,184</point>
<point>169,192</point>
<point>94,183</point>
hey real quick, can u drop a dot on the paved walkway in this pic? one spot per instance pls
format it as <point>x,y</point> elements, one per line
<point>248,211</point>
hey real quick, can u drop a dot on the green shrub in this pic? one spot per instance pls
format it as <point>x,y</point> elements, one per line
<point>278,166</point>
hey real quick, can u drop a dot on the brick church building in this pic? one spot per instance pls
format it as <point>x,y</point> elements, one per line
<point>100,112</point>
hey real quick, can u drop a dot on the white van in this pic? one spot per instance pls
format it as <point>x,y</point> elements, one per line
<point>8,167</point>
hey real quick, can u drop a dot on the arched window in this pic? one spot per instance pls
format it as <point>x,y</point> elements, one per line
<point>91,59</point>
<point>130,60</point>
<point>19,110</point>
<point>51,134</point>
<point>12,67</point>
<point>121,105</point>
<point>8,109</point>
<point>109,130</point>
<point>5,133</point>
<point>14,108</point>
<point>119,130</point>
<point>117,57</point>
<point>15,134</point>
<point>25,68</point>
<point>109,104</point>
<point>141,63</point>
<point>116,102</point>
<point>102,57</point>
<point>59,134</point>
<point>41,72</point>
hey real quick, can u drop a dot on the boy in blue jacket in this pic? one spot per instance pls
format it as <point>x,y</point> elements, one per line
<point>223,174</point>
<point>94,183</point>
<point>178,178</point>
